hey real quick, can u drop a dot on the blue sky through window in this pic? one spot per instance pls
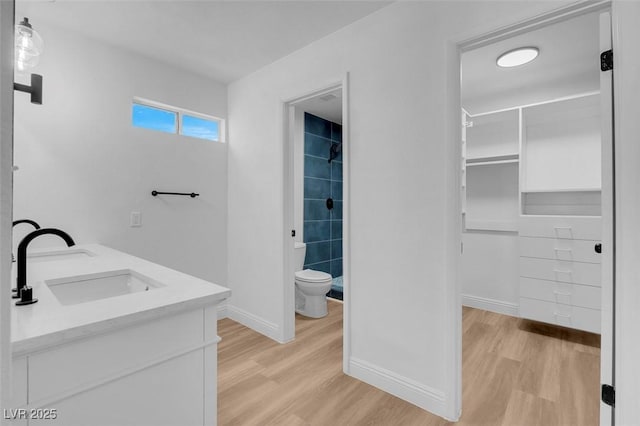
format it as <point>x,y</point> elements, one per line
<point>200,128</point>
<point>154,118</point>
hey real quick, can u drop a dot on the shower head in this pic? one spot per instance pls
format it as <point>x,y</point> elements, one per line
<point>334,151</point>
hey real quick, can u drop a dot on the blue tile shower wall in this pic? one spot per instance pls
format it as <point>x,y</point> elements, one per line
<point>322,180</point>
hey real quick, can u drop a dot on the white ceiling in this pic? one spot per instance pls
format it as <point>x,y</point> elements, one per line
<point>224,40</point>
<point>568,64</point>
<point>327,106</point>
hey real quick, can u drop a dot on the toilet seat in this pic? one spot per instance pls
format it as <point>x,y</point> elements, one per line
<point>311,276</point>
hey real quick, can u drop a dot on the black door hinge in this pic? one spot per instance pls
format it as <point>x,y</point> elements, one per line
<point>609,395</point>
<point>606,60</point>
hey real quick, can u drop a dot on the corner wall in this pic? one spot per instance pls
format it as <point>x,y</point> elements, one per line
<point>401,338</point>
<point>84,168</point>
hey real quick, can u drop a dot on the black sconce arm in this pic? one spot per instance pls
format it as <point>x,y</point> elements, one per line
<point>35,89</point>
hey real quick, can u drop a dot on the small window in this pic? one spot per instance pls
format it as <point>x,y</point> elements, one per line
<point>154,118</point>
<point>165,118</point>
<point>200,128</point>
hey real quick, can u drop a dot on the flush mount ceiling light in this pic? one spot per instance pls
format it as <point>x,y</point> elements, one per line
<point>517,57</point>
<point>28,47</point>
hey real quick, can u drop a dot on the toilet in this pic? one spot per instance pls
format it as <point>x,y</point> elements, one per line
<point>311,287</point>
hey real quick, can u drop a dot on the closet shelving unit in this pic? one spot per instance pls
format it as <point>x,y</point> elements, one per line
<point>491,171</point>
<point>535,172</point>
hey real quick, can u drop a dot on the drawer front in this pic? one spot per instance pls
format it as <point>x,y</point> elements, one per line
<point>565,227</point>
<point>98,358</point>
<point>559,314</point>
<point>560,249</point>
<point>560,270</point>
<point>559,292</point>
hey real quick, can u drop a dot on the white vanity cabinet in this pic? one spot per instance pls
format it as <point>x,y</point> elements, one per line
<point>160,372</point>
<point>142,358</point>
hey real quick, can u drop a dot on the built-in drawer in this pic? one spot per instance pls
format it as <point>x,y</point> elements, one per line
<point>566,227</point>
<point>560,270</point>
<point>564,315</point>
<point>558,292</point>
<point>560,249</point>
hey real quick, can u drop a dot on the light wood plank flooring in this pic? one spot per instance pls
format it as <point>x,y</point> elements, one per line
<point>515,372</point>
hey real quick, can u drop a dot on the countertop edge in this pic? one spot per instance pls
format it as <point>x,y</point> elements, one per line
<point>85,331</point>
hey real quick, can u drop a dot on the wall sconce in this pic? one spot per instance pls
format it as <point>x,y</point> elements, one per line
<point>28,47</point>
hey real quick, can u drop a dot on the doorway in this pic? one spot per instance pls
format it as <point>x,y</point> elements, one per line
<point>316,196</point>
<point>537,209</point>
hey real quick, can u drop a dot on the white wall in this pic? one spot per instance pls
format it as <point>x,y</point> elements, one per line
<point>84,168</point>
<point>401,205</point>
<point>490,273</point>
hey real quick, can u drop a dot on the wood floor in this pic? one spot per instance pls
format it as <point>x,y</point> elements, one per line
<point>515,372</point>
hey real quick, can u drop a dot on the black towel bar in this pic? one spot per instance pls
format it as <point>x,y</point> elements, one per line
<point>190,194</point>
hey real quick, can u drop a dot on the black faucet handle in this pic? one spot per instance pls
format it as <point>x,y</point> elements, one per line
<point>26,296</point>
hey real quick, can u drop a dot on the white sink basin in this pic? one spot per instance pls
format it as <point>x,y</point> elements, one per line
<point>49,256</point>
<point>102,285</point>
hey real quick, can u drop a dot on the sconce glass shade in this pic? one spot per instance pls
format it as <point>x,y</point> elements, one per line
<point>28,46</point>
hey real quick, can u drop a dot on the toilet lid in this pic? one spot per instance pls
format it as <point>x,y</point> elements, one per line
<point>311,276</point>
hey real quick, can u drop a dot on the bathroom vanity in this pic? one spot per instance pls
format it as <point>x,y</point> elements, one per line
<point>113,340</point>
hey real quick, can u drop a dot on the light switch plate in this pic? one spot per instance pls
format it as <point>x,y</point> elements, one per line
<point>136,219</point>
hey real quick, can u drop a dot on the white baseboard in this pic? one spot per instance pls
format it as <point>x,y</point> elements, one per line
<point>254,322</point>
<point>222,310</point>
<point>492,305</point>
<point>423,396</point>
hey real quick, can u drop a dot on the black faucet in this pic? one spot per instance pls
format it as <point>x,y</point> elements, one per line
<point>29,221</point>
<point>17,222</point>
<point>25,292</point>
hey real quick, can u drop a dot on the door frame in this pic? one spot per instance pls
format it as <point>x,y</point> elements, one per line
<point>455,49</point>
<point>288,114</point>
<point>7,9</point>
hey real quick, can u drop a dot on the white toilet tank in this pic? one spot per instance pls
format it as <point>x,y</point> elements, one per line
<point>299,253</point>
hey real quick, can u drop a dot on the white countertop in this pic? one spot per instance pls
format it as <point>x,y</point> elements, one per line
<point>49,323</point>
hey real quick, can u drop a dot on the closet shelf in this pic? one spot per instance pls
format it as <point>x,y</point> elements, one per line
<point>491,225</point>
<point>551,190</point>
<point>491,163</point>
<point>491,160</point>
